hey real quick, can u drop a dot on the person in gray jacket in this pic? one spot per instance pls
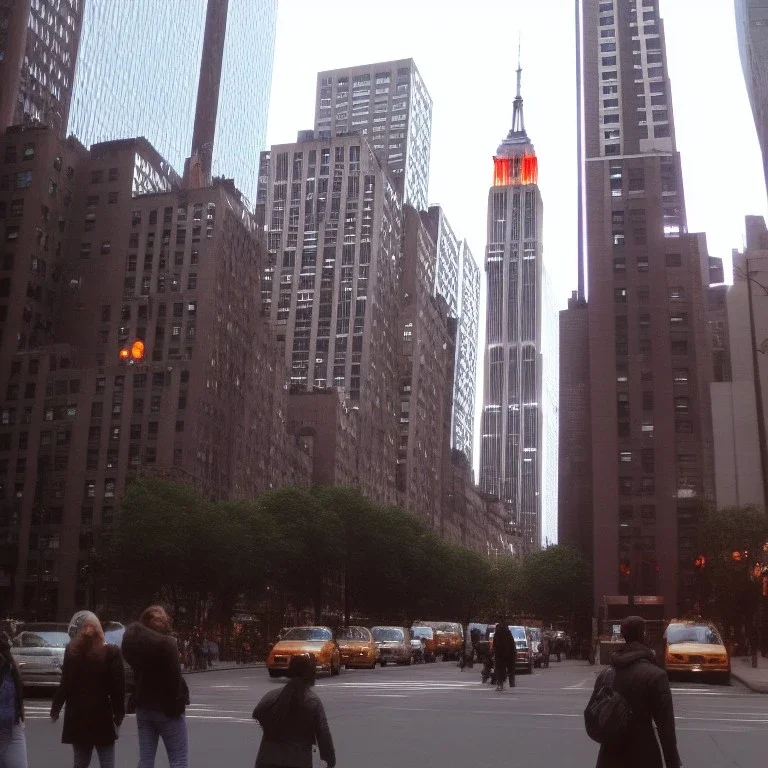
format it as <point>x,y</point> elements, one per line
<point>293,720</point>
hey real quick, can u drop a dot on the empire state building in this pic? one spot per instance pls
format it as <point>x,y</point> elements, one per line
<point>519,437</point>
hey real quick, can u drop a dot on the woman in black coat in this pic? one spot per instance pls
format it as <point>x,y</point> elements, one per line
<point>93,689</point>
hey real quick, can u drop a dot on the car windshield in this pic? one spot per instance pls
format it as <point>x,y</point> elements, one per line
<point>425,632</point>
<point>388,635</point>
<point>692,633</point>
<point>311,634</point>
<point>518,633</point>
<point>43,639</point>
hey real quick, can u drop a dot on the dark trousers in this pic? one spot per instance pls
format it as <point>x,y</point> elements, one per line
<point>505,669</point>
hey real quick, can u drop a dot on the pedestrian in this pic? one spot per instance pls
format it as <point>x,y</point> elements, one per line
<point>293,720</point>
<point>161,691</point>
<point>13,743</point>
<point>505,651</point>
<point>544,651</point>
<point>92,690</point>
<point>645,687</point>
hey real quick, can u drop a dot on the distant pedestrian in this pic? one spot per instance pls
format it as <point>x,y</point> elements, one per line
<point>293,720</point>
<point>13,744</point>
<point>505,651</point>
<point>161,691</point>
<point>92,692</point>
<point>634,675</point>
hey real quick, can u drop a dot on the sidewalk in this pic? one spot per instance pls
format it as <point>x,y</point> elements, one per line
<point>223,666</point>
<point>755,679</point>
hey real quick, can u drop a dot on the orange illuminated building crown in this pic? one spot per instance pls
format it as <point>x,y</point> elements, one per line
<point>515,162</point>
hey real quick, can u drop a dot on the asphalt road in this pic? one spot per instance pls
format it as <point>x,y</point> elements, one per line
<point>434,714</point>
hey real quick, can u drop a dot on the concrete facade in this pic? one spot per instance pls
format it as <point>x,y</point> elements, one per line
<point>650,360</point>
<point>388,103</point>
<point>734,411</point>
<point>38,53</point>
<point>330,284</point>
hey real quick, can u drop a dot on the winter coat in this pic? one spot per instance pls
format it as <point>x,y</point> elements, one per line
<point>645,686</point>
<point>13,671</point>
<point>290,744</point>
<point>93,689</point>
<point>154,657</point>
<point>504,646</point>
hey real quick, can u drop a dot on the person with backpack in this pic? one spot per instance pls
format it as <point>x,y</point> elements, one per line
<point>92,692</point>
<point>629,697</point>
<point>293,720</point>
<point>161,691</point>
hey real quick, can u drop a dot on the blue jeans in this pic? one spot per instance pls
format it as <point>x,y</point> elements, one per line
<point>13,746</point>
<point>152,725</point>
<point>83,755</point>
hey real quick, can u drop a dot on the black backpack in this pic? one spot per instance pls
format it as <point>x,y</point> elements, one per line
<point>608,713</point>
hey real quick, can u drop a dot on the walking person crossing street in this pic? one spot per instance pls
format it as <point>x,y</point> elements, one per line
<point>505,651</point>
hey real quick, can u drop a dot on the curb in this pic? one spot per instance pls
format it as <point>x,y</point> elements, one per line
<point>253,665</point>
<point>753,685</point>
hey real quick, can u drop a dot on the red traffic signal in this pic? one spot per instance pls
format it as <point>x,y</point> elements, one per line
<point>700,562</point>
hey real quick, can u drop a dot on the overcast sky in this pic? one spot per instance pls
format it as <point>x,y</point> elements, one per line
<point>466,51</point>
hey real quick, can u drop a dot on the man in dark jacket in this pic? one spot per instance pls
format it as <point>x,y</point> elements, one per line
<point>505,651</point>
<point>161,691</point>
<point>645,686</point>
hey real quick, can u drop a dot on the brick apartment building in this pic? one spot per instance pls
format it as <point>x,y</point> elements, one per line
<point>123,251</point>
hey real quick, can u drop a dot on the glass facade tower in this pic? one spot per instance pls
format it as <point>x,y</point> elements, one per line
<point>138,70</point>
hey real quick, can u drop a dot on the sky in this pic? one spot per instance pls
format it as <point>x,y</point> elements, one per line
<point>467,55</point>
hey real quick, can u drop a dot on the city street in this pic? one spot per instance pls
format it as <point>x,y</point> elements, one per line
<point>436,715</point>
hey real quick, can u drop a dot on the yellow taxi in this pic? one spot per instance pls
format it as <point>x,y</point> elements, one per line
<point>317,641</point>
<point>357,647</point>
<point>695,647</point>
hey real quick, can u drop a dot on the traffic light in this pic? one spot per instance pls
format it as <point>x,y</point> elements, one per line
<point>700,562</point>
<point>133,353</point>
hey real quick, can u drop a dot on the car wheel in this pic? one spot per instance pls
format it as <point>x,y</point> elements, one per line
<point>274,673</point>
<point>373,666</point>
<point>725,678</point>
<point>409,662</point>
<point>383,663</point>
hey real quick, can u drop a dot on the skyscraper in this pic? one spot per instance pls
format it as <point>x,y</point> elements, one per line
<point>333,223</point>
<point>390,105</point>
<point>465,381</point>
<point>38,51</point>
<point>457,280</point>
<point>139,70</point>
<point>649,357</point>
<point>511,465</point>
<point>752,31</point>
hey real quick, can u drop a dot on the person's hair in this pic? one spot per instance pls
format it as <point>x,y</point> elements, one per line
<point>633,629</point>
<point>303,667</point>
<point>89,638</point>
<point>155,617</point>
<point>5,649</point>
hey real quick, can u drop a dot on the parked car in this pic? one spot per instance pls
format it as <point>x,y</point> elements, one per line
<point>316,641</point>
<point>392,645</point>
<point>536,638</point>
<point>695,647</point>
<point>430,641</point>
<point>524,643</point>
<point>39,651</point>
<point>357,647</point>
<point>450,639</point>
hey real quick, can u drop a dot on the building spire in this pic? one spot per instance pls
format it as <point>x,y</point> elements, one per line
<point>518,119</point>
